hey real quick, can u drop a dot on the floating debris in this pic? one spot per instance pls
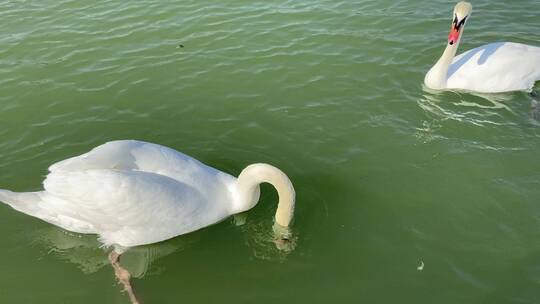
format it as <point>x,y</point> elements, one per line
<point>421,266</point>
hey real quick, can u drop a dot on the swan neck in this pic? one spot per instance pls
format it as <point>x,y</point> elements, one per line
<point>448,55</point>
<point>247,188</point>
<point>438,75</point>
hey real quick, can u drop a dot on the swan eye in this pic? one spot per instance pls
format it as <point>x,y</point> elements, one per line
<point>455,20</point>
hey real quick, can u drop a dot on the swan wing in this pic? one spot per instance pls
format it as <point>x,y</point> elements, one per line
<point>130,208</point>
<point>35,204</point>
<point>496,67</point>
<point>126,155</point>
<point>142,156</point>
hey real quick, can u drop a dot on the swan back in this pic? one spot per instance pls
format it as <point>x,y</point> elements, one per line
<point>496,67</point>
<point>132,155</point>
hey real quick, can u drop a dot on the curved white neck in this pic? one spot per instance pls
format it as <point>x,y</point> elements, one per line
<point>247,190</point>
<point>438,75</point>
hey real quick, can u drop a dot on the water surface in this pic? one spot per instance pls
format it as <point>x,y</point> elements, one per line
<point>388,175</point>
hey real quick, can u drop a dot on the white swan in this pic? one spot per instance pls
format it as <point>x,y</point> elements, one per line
<point>133,193</point>
<point>492,68</point>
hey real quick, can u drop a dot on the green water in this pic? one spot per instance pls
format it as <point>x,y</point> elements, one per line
<point>387,174</point>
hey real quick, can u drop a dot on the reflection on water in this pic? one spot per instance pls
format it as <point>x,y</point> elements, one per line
<point>477,108</point>
<point>267,240</point>
<point>535,108</point>
<point>480,109</point>
<point>87,253</point>
<point>89,256</point>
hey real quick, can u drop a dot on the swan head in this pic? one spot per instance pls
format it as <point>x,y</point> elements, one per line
<point>247,191</point>
<point>462,11</point>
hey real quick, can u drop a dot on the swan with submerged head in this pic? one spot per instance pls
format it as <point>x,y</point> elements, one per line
<point>492,68</point>
<point>133,193</point>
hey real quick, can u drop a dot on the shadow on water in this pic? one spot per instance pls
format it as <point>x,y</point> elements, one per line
<point>86,252</point>
<point>267,240</point>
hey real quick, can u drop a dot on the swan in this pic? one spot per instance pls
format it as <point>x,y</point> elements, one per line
<point>492,68</point>
<point>132,193</point>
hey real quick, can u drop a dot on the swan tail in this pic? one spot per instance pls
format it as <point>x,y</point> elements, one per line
<point>33,204</point>
<point>25,202</point>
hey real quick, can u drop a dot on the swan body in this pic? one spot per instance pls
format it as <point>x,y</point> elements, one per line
<point>133,193</point>
<point>492,68</point>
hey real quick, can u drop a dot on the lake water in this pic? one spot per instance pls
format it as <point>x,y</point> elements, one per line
<point>389,176</point>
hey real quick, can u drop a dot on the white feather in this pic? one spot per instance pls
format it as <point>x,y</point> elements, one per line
<point>130,193</point>
<point>496,67</point>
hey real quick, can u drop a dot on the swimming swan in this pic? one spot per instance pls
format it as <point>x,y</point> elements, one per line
<point>133,193</point>
<point>492,68</point>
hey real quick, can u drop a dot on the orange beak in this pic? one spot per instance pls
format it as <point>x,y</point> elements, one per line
<point>453,36</point>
